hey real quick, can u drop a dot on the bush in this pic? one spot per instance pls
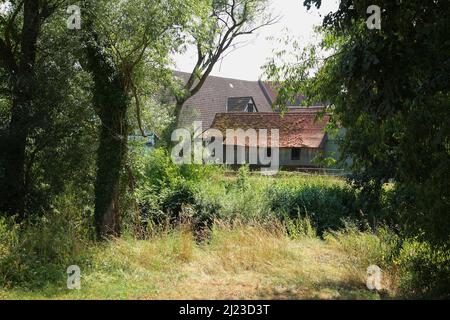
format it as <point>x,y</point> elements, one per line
<point>165,188</point>
<point>425,271</point>
<point>325,204</point>
<point>168,193</point>
<point>154,171</point>
<point>242,182</point>
<point>173,198</point>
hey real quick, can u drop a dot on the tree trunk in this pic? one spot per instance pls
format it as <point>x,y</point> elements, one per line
<point>14,186</point>
<point>111,103</point>
<point>178,109</point>
<point>110,161</point>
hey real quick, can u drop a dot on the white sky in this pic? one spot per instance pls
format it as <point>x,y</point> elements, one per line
<point>246,62</point>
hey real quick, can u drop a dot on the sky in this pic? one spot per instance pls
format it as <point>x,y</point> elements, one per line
<point>245,63</point>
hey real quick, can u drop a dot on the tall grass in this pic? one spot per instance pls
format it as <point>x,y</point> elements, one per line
<point>364,249</point>
<point>259,260</point>
<point>38,253</point>
<point>245,247</point>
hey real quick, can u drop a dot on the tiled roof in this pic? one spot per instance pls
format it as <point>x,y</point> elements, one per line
<point>213,97</point>
<point>271,90</point>
<point>296,129</point>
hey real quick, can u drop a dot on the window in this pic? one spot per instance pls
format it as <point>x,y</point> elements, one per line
<point>295,154</point>
<point>241,104</point>
<point>269,152</point>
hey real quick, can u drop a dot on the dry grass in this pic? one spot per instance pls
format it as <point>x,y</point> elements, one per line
<point>239,262</point>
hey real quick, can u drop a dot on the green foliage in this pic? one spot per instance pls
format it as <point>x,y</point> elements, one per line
<point>156,170</point>
<point>38,253</point>
<point>424,269</point>
<point>166,189</point>
<point>62,128</point>
<point>395,115</point>
<point>300,228</point>
<point>326,204</point>
<point>242,178</point>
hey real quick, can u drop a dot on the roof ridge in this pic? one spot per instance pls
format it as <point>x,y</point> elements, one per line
<point>264,90</point>
<point>218,77</point>
<point>264,113</point>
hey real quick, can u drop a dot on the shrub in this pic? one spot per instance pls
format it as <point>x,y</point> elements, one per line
<point>242,182</point>
<point>425,271</point>
<point>155,171</point>
<point>172,199</point>
<point>164,188</point>
<point>325,204</point>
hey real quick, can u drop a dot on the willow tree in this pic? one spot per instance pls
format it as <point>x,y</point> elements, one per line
<point>120,39</point>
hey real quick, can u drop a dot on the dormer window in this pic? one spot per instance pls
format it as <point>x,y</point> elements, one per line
<point>241,104</point>
<point>250,107</point>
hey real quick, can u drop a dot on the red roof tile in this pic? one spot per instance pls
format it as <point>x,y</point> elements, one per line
<point>296,129</point>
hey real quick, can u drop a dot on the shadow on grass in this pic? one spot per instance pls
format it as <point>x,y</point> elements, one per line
<point>328,290</point>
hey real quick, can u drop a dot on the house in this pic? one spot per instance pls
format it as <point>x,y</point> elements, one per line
<point>225,103</point>
<point>302,137</point>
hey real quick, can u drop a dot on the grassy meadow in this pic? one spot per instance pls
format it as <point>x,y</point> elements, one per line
<point>240,262</point>
<point>203,233</point>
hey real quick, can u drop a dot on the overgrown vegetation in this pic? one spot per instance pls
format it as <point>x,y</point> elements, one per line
<point>394,116</point>
<point>75,190</point>
<point>199,217</point>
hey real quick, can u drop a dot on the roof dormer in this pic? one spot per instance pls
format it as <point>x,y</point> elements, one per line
<point>241,104</point>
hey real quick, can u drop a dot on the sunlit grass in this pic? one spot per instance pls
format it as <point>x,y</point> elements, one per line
<point>240,261</point>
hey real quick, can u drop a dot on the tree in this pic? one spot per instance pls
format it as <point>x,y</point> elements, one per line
<point>214,33</point>
<point>390,89</point>
<point>120,39</point>
<point>20,28</point>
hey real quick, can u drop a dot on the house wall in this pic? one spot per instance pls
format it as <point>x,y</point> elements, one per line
<point>307,155</point>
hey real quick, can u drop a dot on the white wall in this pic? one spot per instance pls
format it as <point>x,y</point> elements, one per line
<point>306,157</point>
